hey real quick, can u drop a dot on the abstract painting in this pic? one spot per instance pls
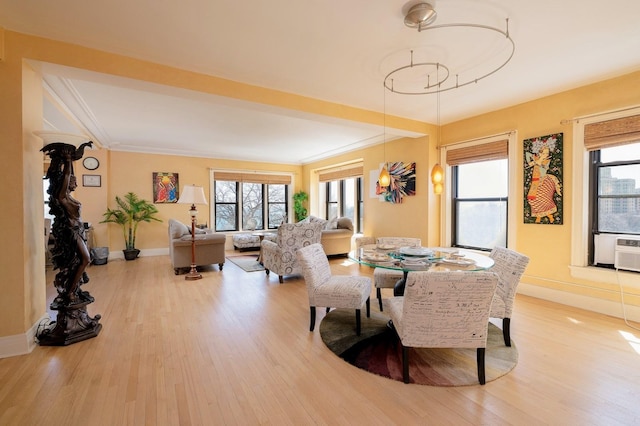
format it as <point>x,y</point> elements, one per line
<point>402,184</point>
<point>165,187</point>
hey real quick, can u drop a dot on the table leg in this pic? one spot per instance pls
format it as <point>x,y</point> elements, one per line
<point>398,289</point>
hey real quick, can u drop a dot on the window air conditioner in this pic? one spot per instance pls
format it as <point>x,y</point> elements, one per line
<point>627,254</point>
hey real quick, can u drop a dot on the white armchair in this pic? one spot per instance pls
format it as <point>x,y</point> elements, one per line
<point>280,256</point>
<point>509,265</point>
<point>444,310</point>
<point>332,291</point>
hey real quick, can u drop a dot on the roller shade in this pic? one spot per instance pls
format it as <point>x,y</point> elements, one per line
<point>484,152</point>
<point>253,177</point>
<point>344,172</point>
<point>610,133</point>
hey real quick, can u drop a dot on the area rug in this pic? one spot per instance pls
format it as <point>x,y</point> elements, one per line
<point>249,263</point>
<point>377,350</point>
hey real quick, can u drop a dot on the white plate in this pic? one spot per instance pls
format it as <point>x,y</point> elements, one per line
<point>459,262</point>
<point>376,257</point>
<point>416,251</point>
<point>386,247</point>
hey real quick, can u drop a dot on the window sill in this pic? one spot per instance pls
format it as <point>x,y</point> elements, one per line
<point>604,275</point>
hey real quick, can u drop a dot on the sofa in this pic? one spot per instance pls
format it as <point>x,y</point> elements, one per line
<point>209,246</point>
<point>336,234</point>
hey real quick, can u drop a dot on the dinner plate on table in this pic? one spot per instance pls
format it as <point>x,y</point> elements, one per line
<point>376,257</point>
<point>388,247</point>
<point>416,251</point>
<point>458,261</point>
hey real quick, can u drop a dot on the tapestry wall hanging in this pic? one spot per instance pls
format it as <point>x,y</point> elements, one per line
<point>543,179</point>
<point>402,184</point>
<point>165,187</point>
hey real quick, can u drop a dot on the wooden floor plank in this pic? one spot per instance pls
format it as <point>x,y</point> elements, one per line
<point>234,348</point>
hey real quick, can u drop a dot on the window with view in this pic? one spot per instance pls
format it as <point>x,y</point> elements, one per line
<point>242,204</point>
<point>479,204</point>
<point>341,192</point>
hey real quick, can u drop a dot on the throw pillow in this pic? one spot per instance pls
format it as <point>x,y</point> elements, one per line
<point>178,229</point>
<point>332,224</point>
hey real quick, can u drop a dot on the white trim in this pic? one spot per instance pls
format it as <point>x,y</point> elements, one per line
<point>446,206</point>
<point>20,344</point>
<point>592,304</point>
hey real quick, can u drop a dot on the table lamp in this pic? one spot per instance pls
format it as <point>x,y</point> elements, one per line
<point>193,195</point>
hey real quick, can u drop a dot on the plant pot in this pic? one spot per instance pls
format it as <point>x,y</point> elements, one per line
<point>131,254</point>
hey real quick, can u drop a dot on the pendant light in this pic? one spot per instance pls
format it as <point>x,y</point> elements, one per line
<point>437,173</point>
<point>384,179</point>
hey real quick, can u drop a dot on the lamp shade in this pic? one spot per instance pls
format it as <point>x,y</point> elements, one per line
<point>437,174</point>
<point>384,179</point>
<point>192,194</point>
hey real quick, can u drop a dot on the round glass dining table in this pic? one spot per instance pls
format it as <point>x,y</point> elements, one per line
<point>407,259</point>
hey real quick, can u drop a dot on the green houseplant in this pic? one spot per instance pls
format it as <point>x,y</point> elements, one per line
<point>298,205</point>
<point>130,212</point>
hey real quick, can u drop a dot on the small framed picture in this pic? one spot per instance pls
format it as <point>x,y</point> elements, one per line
<point>91,180</point>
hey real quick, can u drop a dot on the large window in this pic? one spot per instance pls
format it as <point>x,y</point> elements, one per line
<point>616,194</point>
<point>341,193</point>
<point>250,201</point>
<point>479,204</point>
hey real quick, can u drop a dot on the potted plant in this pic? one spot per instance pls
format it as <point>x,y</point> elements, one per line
<point>298,205</point>
<point>130,212</point>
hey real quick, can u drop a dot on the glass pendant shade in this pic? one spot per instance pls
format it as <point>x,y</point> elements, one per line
<point>384,179</point>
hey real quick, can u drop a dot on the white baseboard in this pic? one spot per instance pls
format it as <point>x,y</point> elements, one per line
<point>21,344</point>
<point>605,307</point>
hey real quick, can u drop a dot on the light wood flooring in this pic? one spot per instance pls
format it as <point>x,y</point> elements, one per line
<point>234,348</point>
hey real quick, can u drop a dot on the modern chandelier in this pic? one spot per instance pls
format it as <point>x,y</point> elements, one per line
<point>419,77</point>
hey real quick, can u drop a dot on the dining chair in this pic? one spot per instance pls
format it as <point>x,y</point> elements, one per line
<point>332,291</point>
<point>444,310</point>
<point>387,278</point>
<point>509,265</point>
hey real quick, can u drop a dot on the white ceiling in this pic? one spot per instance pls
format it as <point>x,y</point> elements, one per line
<point>333,50</point>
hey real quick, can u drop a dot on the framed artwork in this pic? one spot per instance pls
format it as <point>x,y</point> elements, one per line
<point>543,180</point>
<point>91,180</point>
<point>165,187</point>
<point>403,182</point>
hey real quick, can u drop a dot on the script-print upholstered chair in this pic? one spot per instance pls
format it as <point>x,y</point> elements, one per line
<point>444,310</point>
<point>509,265</point>
<point>332,291</point>
<point>280,256</point>
<point>387,278</point>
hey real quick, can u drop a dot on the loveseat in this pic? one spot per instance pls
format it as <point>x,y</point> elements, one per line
<point>209,246</point>
<point>336,234</point>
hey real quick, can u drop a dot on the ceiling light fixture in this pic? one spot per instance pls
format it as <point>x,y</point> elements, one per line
<point>403,80</point>
<point>384,179</point>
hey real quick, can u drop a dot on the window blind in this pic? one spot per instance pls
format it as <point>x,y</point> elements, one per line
<point>619,131</point>
<point>344,172</point>
<point>253,177</point>
<point>482,152</point>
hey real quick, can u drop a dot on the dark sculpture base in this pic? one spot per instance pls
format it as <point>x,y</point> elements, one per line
<point>73,324</point>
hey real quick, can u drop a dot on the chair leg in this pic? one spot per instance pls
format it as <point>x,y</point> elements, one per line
<point>328,309</point>
<point>379,296</point>
<point>405,364</point>
<point>358,322</point>
<point>313,318</point>
<point>281,279</point>
<point>368,303</point>
<point>220,265</point>
<point>480,357</point>
<point>506,331</point>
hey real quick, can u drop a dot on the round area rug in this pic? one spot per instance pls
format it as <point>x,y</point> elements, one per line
<point>378,350</point>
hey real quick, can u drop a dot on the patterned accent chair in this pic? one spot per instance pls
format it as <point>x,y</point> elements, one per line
<point>387,278</point>
<point>332,291</point>
<point>444,310</point>
<point>280,256</point>
<point>509,265</point>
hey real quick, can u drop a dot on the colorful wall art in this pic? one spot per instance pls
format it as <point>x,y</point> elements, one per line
<point>403,182</point>
<point>165,187</point>
<point>543,180</point>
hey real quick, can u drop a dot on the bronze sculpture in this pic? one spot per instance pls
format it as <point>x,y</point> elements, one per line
<point>70,254</point>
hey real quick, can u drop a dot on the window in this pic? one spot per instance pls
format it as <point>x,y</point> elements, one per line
<point>245,201</point>
<point>616,175</point>
<point>477,207</point>
<point>341,193</point>
<point>479,204</point>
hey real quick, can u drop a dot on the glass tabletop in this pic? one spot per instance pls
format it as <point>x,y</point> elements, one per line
<point>408,259</point>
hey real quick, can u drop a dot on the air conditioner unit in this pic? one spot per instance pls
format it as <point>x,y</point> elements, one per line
<point>627,254</point>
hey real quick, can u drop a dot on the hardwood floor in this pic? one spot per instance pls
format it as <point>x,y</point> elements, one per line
<point>234,348</point>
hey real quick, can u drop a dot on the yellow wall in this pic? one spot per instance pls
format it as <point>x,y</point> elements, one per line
<point>22,259</point>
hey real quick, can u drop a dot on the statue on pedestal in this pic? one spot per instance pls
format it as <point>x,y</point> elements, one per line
<point>70,254</point>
